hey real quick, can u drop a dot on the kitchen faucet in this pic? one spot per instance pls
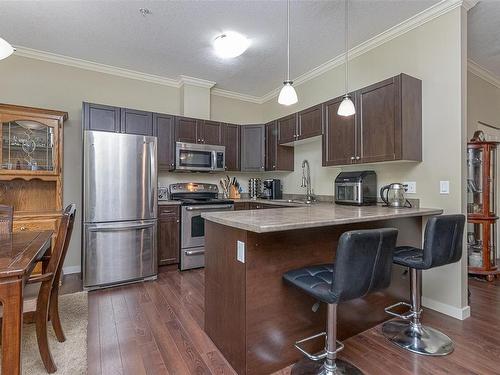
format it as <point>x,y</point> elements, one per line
<point>306,181</point>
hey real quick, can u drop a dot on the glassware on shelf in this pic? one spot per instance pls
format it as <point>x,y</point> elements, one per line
<point>27,145</point>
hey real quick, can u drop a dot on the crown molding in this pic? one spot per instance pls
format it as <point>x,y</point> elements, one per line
<point>93,66</point>
<point>483,73</point>
<point>419,19</point>
<point>411,23</point>
<point>193,81</point>
<point>237,96</point>
<point>469,4</point>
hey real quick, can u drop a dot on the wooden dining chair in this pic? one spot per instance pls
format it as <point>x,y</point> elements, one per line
<point>54,295</point>
<point>6,218</point>
<point>38,300</point>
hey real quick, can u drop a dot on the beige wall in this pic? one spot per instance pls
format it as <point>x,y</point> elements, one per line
<point>432,53</point>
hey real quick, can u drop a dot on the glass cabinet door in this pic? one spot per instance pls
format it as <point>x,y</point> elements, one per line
<point>28,145</point>
<point>475,158</point>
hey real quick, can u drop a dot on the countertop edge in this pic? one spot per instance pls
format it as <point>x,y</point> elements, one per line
<point>285,227</point>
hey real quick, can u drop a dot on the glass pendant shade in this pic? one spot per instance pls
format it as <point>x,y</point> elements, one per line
<point>5,49</point>
<point>346,107</point>
<point>287,96</point>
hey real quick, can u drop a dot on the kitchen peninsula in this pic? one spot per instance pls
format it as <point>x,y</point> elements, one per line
<point>251,315</point>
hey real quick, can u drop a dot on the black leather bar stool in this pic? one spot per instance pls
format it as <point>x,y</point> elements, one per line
<point>442,245</point>
<point>362,265</point>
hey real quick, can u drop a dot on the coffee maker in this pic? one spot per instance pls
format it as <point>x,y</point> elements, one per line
<point>272,189</point>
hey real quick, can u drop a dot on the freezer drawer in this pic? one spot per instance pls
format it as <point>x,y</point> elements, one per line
<point>119,252</point>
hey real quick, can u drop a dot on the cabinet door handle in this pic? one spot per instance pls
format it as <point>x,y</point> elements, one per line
<point>358,157</point>
<point>22,228</point>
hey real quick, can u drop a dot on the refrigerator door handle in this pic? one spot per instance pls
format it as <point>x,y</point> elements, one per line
<point>152,184</point>
<point>119,228</point>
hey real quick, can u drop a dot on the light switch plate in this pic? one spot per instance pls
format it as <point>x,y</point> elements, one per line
<point>411,187</point>
<point>240,251</point>
<point>444,187</point>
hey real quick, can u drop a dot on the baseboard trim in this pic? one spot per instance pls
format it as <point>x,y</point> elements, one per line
<point>455,312</point>
<point>71,269</point>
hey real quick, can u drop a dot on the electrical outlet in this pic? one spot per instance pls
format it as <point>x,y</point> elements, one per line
<point>240,251</point>
<point>411,187</point>
<point>444,187</point>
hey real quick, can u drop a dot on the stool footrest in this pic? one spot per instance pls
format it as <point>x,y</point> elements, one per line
<point>323,354</point>
<point>406,315</point>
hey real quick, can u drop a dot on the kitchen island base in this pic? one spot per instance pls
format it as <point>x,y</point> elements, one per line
<point>254,318</point>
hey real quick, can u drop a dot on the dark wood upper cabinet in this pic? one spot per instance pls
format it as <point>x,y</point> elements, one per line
<point>278,157</point>
<point>168,235</point>
<point>310,122</point>
<point>163,129</point>
<point>390,120</point>
<point>253,148</point>
<point>339,138</point>
<point>387,125</point>
<point>209,132</point>
<point>186,129</point>
<point>101,117</point>
<point>231,139</point>
<point>136,122</point>
<point>287,128</point>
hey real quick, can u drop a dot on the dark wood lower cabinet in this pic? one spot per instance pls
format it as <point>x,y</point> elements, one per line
<point>168,235</point>
<point>239,206</point>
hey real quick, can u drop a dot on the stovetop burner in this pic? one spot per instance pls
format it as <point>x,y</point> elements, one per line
<point>192,193</point>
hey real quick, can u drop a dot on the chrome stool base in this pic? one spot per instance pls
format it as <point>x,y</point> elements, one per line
<point>308,367</point>
<point>417,338</point>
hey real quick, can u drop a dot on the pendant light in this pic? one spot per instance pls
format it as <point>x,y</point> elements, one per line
<point>287,95</point>
<point>5,49</point>
<point>346,107</point>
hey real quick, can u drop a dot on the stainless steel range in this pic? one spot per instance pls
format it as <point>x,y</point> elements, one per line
<point>196,198</point>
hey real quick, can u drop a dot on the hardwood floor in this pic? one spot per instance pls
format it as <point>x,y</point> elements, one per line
<point>156,328</point>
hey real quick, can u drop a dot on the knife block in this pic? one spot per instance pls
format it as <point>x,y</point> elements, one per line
<point>234,193</point>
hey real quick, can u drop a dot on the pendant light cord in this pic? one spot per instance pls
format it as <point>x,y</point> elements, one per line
<point>288,41</point>
<point>346,46</point>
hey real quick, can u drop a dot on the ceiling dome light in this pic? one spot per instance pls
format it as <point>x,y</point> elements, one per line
<point>346,107</point>
<point>230,44</point>
<point>287,95</point>
<point>5,49</point>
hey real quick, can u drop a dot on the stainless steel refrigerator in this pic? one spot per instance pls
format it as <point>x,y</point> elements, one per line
<point>120,208</point>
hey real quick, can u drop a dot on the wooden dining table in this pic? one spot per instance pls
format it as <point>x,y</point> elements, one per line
<point>19,253</point>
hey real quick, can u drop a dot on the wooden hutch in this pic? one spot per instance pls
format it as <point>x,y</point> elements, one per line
<point>31,161</point>
<point>481,207</point>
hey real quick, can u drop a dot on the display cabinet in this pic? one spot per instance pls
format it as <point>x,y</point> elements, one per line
<point>481,207</point>
<point>31,165</point>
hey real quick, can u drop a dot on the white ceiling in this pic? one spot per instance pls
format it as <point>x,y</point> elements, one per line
<point>176,38</point>
<point>484,35</point>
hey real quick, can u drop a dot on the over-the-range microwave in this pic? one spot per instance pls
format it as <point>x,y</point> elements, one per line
<point>199,157</point>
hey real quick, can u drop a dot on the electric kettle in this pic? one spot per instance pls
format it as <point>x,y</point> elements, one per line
<point>394,195</point>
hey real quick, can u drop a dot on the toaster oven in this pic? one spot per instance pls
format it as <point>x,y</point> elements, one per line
<point>356,188</point>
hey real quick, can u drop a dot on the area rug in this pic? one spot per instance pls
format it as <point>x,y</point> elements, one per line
<point>70,356</point>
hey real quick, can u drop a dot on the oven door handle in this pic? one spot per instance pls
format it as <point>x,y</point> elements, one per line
<point>194,252</point>
<point>211,207</point>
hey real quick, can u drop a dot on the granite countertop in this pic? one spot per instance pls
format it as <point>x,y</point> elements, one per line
<point>315,215</point>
